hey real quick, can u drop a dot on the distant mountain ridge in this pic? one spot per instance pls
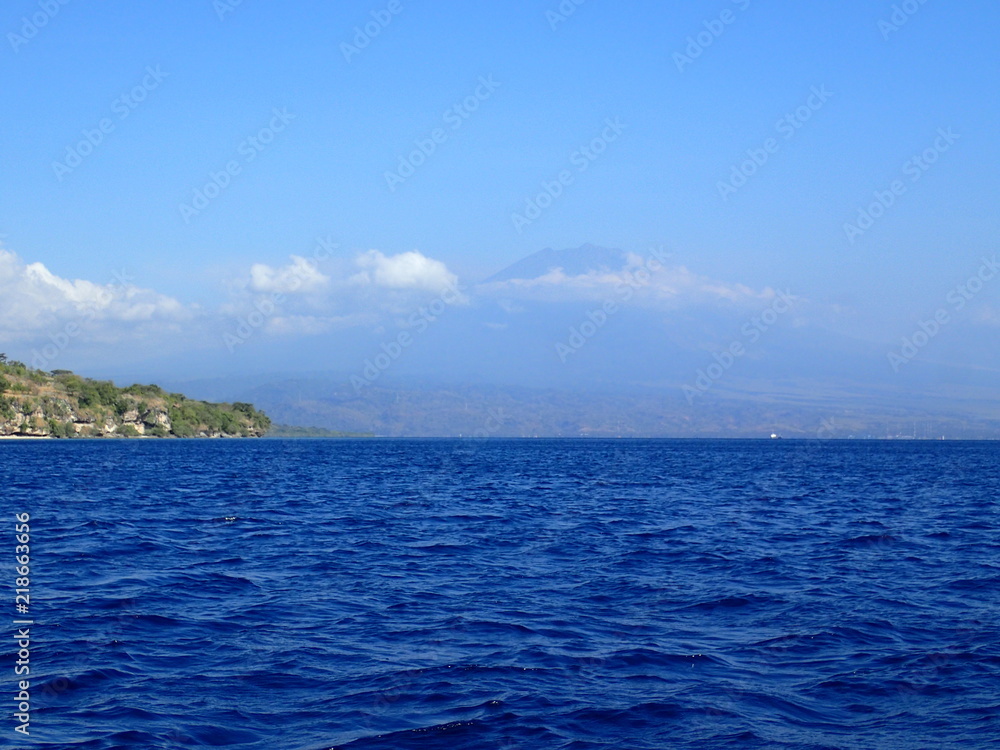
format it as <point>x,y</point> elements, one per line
<point>429,409</point>
<point>575,355</point>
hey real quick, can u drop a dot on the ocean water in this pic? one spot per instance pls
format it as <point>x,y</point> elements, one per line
<point>313,594</point>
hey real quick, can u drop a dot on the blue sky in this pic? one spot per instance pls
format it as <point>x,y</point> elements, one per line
<point>555,83</point>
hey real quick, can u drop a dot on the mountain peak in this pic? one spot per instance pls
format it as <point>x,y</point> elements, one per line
<point>573,261</point>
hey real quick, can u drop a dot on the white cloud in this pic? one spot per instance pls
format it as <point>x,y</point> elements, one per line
<point>410,270</point>
<point>643,280</point>
<point>348,292</point>
<point>312,325</point>
<point>299,276</point>
<point>34,301</point>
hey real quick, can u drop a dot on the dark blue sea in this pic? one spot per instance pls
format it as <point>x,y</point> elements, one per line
<point>502,594</point>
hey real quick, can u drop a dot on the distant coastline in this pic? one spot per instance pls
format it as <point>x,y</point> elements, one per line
<point>293,431</point>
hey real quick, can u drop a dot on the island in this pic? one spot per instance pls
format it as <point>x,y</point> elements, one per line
<point>61,404</point>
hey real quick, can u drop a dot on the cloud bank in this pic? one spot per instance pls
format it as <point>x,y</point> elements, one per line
<point>311,296</point>
<point>647,281</point>
<point>35,301</point>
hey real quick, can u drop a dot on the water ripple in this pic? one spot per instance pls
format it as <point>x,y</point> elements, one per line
<point>511,594</point>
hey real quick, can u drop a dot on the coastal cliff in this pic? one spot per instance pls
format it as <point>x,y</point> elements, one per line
<point>62,404</point>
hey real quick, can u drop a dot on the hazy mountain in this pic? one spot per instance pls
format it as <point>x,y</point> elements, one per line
<point>573,262</point>
<point>548,350</point>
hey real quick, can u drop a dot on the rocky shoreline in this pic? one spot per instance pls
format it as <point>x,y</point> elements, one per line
<point>60,404</point>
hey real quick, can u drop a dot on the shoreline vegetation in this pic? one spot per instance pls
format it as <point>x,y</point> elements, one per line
<point>61,404</point>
